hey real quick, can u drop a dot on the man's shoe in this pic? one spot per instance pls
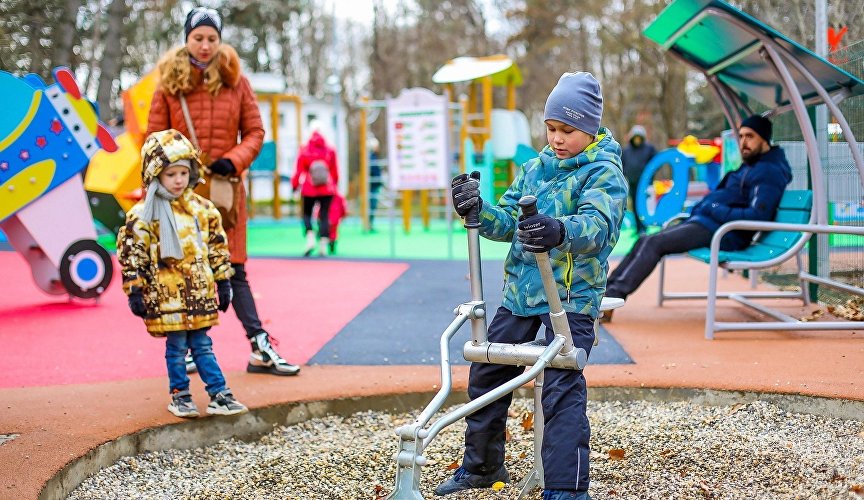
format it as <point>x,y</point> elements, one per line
<point>182,405</point>
<point>223,403</point>
<point>265,359</point>
<point>464,480</point>
<point>565,495</point>
<point>190,363</point>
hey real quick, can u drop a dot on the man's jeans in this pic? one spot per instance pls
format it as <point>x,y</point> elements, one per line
<point>202,352</point>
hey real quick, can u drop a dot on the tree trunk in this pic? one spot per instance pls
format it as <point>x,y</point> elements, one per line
<point>110,64</point>
<point>66,34</point>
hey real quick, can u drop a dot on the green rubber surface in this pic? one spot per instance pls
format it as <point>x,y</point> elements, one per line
<point>286,238</point>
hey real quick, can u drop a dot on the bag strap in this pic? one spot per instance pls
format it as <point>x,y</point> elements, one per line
<point>188,119</point>
<point>185,107</point>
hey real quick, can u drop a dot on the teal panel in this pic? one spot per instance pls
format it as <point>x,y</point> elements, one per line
<point>266,160</point>
<point>780,239</point>
<point>800,200</point>
<point>792,216</point>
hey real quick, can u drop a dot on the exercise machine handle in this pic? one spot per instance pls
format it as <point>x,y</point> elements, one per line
<point>557,316</point>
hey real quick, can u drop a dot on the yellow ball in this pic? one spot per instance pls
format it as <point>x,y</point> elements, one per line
<point>498,486</point>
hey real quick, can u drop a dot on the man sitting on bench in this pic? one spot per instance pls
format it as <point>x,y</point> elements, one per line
<point>750,193</point>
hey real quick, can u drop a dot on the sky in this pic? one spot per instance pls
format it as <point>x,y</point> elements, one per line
<point>357,10</point>
<point>361,10</point>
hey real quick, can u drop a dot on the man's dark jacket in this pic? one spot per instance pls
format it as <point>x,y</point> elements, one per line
<point>752,192</point>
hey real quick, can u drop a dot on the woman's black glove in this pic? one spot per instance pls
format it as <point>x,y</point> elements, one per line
<point>223,166</point>
<point>136,303</point>
<point>465,193</point>
<point>225,293</point>
<point>540,233</point>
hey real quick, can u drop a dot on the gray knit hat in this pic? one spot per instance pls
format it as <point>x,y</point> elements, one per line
<point>576,100</point>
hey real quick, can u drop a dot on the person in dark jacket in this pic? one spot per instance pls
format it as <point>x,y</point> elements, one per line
<point>634,158</point>
<point>752,192</point>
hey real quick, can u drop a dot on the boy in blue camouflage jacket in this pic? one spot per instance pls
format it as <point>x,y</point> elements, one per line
<point>581,193</point>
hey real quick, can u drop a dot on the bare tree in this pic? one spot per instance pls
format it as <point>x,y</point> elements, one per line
<point>110,63</point>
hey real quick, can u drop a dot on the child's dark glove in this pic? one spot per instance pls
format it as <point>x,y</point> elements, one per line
<point>466,194</point>
<point>225,293</point>
<point>223,166</point>
<point>540,233</point>
<point>136,303</point>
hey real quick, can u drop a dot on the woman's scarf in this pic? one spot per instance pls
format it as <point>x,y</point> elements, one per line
<point>157,206</point>
<point>202,65</point>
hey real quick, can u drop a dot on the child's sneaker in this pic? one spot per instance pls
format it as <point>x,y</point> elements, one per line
<point>182,405</point>
<point>223,403</point>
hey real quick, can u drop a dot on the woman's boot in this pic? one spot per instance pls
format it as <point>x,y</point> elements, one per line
<point>322,246</point>
<point>310,243</point>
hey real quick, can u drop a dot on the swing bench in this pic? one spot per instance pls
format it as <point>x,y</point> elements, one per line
<point>745,60</point>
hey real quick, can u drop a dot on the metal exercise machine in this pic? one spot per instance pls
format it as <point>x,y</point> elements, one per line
<point>415,437</point>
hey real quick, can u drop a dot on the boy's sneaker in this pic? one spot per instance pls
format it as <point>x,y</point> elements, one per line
<point>182,405</point>
<point>190,363</point>
<point>565,495</point>
<point>265,359</point>
<point>464,480</point>
<point>223,403</point>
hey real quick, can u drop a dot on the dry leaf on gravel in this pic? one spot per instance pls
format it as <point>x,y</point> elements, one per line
<point>736,407</point>
<point>616,454</point>
<point>527,421</point>
<point>818,313</point>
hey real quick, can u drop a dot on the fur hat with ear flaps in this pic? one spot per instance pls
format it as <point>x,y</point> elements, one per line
<point>165,148</point>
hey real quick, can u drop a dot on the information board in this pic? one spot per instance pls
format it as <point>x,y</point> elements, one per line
<point>417,147</point>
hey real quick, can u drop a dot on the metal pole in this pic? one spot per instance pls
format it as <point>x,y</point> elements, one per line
<point>472,224</point>
<point>823,267</point>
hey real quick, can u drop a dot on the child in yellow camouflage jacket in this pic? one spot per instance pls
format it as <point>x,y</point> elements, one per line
<point>176,269</point>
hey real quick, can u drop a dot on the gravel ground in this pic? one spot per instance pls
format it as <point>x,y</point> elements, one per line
<point>640,450</point>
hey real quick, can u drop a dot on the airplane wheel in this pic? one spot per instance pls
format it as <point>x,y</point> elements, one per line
<point>86,269</point>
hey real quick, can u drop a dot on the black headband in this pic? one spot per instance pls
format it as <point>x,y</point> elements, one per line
<point>202,16</point>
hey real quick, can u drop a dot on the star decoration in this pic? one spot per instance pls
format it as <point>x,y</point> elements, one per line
<point>24,155</point>
<point>41,142</point>
<point>56,126</point>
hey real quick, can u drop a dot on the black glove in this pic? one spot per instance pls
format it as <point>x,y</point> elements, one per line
<point>465,193</point>
<point>223,166</point>
<point>136,303</point>
<point>540,233</point>
<point>225,293</point>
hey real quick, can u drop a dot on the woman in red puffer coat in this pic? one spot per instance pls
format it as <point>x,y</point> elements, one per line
<point>222,106</point>
<point>319,173</point>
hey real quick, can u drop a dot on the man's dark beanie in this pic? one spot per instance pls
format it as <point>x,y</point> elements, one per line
<point>760,125</point>
<point>202,16</point>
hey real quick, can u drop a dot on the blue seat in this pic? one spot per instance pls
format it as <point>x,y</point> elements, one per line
<point>794,208</point>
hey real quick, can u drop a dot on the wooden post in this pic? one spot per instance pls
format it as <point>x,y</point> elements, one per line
<point>487,110</point>
<point>424,207</point>
<point>463,133</point>
<point>274,128</point>
<point>407,200</point>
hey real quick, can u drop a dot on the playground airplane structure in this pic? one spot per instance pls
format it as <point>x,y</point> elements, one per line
<point>47,136</point>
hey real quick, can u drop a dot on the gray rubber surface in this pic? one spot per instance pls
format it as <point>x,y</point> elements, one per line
<point>403,326</point>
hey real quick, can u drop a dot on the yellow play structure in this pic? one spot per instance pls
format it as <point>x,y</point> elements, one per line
<point>489,139</point>
<point>113,180</point>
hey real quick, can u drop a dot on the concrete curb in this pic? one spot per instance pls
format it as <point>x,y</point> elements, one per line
<point>260,421</point>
